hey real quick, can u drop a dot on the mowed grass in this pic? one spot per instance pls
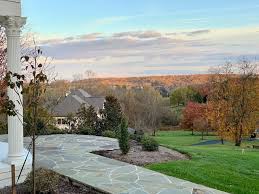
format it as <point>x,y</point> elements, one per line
<point>222,167</point>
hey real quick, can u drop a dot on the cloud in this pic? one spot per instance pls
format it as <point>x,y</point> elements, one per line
<point>138,34</point>
<point>54,40</point>
<point>91,36</point>
<point>189,33</point>
<point>146,52</point>
<point>198,32</point>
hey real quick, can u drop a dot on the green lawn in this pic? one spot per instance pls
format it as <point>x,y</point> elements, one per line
<point>223,167</point>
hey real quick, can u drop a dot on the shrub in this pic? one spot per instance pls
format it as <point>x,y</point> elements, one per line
<point>88,120</point>
<point>86,131</point>
<point>45,180</point>
<point>170,116</point>
<point>124,137</point>
<point>132,136</point>
<point>138,135</point>
<point>52,130</point>
<point>109,133</point>
<point>149,144</point>
<point>3,128</point>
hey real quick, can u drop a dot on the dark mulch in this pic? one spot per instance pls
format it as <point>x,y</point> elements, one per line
<point>139,157</point>
<point>209,142</point>
<point>66,186</point>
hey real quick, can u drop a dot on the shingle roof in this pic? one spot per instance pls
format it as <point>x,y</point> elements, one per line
<point>72,102</point>
<point>81,93</point>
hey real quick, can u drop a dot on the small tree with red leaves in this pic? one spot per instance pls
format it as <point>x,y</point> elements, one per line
<point>2,63</point>
<point>194,116</point>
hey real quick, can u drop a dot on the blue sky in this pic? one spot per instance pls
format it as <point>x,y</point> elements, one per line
<point>228,29</point>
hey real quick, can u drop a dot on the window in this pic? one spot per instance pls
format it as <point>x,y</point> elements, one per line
<point>59,121</point>
<point>64,121</point>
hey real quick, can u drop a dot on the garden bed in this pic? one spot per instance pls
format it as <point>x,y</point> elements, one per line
<point>65,186</point>
<point>139,157</point>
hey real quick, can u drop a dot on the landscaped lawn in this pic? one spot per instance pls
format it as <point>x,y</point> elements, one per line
<point>223,167</point>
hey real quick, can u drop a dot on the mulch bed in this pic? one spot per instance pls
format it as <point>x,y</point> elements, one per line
<point>66,186</point>
<point>139,157</point>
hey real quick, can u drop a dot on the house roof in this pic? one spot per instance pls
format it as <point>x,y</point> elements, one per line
<point>81,93</point>
<point>77,98</point>
<point>96,102</point>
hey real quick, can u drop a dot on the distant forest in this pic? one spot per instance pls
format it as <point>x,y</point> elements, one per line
<point>168,81</point>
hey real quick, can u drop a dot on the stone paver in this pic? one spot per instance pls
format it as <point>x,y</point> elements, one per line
<point>69,155</point>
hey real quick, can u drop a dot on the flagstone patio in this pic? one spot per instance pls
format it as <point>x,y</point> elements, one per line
<point>70,155</point>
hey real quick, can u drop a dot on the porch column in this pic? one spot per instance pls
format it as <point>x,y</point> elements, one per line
<point>13,27</point>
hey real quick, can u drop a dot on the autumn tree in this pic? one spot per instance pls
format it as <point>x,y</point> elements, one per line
<point>194,117</point>
<point>143,107</point>
<point>2,62</point>
<point>45,120</point>
<point>200,124</point>
<point>3,127</point>
<point>233,100</point>
<point>151,101</point>
<point>2,53</point>
<point>34,85</point>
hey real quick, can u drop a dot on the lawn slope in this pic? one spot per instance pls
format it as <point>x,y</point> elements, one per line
<point>223,167</point>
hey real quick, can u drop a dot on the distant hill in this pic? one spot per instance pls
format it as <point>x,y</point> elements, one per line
<point>169,81</point>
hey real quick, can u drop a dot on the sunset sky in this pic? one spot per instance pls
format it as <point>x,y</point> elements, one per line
<point>143,37</point>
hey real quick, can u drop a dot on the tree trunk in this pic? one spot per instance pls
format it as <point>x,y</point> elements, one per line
<point>34,148</point>
<point>154,132</point>
<point>238,138</point>
<point>34,130</point>
<point>222,141</point>
<point>202,138</point>
<point>238,141</point>
<point>33,164</point>
<point>192,132</point>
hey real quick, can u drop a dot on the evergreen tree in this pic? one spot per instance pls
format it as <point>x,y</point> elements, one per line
<point>88,120</point>
<point>111,114</point>
<point>124,137</point>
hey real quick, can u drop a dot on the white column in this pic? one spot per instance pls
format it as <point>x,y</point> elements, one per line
<point>13,27</point>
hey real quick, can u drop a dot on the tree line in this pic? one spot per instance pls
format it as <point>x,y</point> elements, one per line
<point>228,103</point>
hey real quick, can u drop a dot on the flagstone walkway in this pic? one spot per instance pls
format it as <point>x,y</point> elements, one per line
<point>69,155</point>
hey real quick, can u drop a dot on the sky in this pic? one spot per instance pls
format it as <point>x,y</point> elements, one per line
<point>117,38</point>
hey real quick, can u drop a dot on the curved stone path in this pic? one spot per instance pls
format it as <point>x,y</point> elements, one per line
<point>69,155</point>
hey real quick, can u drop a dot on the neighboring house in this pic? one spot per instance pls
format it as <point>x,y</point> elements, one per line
<point>71,103</point>
<point>164,92</point>
<point>255,134</point>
